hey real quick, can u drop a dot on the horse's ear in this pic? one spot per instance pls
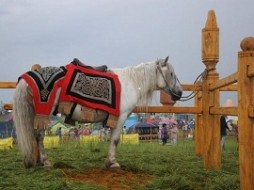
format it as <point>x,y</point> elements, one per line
<point>166,59</point>
<point>157,62</point>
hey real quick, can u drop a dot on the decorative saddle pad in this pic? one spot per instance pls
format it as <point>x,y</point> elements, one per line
<point>87,87</point>
<point>43,85</point>
<point>91,88</point>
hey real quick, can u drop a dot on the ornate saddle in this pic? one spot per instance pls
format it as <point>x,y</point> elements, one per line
<point>102,68</point>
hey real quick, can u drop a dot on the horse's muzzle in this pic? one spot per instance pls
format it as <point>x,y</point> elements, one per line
<point>176,96</point>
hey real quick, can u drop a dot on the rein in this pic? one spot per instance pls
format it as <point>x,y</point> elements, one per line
<point>194,92</point>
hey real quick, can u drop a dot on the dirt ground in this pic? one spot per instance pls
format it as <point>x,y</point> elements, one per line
<point>114,179</point>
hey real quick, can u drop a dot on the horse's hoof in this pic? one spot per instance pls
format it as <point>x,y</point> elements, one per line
<point>114,166</point>
<point>28,163</point>
<point>47,164</point>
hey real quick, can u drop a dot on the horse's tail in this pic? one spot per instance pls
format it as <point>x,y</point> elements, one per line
<point>24,119</point>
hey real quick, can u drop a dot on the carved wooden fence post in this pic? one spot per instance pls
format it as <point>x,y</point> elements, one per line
<point>198,126</point>
<point>210,57</point>
<point>246,113</point>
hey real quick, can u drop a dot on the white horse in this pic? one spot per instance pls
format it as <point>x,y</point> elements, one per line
<point>137,83</point>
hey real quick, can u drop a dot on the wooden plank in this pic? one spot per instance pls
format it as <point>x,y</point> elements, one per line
<point>8,106</point>
<point>231,79</point>
<point>191,87</point>
<point>167,109</point>
<point>7,84</point>
<point>250,71</point>
<point>186,87</point>
<point>245,123</point>
<point>232,87</point>
<point>198,127</point>
<point>224,111</point>
<point>251,111</point>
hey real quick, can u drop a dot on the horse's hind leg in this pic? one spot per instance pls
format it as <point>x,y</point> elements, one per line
<point>43,159</point>
<point>31,159</point>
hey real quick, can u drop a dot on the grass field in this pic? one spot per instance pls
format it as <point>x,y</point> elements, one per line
<point>149,166</point>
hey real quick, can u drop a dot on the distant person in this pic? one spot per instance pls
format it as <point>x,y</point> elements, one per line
<point>173,133</point>
<point>235,129</point>
<point>124,130</point>
<point>76,133</point>
<point>60,134</point>
<point>223,130</point>
<point>164,134</point>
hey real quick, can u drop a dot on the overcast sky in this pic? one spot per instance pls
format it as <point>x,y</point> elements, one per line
<point>117,33</point>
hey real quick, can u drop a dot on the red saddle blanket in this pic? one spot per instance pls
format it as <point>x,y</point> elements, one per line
<point>87,87</point>
<point>91,88</point>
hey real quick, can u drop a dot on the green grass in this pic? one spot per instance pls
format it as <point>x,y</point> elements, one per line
<point>172,167</point>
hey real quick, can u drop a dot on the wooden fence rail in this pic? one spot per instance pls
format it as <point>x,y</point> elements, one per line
<point>233,111</point>
<point>231,79</point>
<point>167,109</point>
<point>7,84</point>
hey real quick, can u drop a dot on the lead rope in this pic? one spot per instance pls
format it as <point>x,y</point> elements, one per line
<point>200,77</point>
<point>194,92</point>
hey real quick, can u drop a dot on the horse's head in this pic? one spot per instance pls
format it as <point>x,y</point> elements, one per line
<point>167,79</point>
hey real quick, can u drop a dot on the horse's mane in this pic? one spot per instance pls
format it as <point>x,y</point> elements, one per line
<point>143,77</point>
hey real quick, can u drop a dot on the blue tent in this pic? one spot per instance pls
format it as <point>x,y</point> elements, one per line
<point>131,120</point>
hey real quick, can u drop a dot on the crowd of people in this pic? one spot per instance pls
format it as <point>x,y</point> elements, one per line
<point>168,133</point>
<point>76,133</point>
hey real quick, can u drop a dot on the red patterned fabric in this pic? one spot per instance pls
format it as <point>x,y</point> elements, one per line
<point>42,108</point>
<point>91,88</point>
<point>44,85</point>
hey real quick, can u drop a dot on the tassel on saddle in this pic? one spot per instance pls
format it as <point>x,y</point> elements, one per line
<point>102,68</point>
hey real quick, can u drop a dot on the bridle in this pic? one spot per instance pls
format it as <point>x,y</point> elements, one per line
<point>167,84</point>
<point>200,77</point>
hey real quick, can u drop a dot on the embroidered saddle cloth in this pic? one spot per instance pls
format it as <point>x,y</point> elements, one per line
<point>42,89</point>
<point>43,85</point>
<point>85,86</point>
<point>91,88</point>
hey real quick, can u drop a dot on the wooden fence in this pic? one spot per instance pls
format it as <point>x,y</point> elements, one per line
<point>207,109</point>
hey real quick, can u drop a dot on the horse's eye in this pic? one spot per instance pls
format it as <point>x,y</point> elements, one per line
<point>164,64</point>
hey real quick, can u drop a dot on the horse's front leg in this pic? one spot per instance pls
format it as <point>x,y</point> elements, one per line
<point>114,140</point>
<point>111,159</point>
<point>43,156</point>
